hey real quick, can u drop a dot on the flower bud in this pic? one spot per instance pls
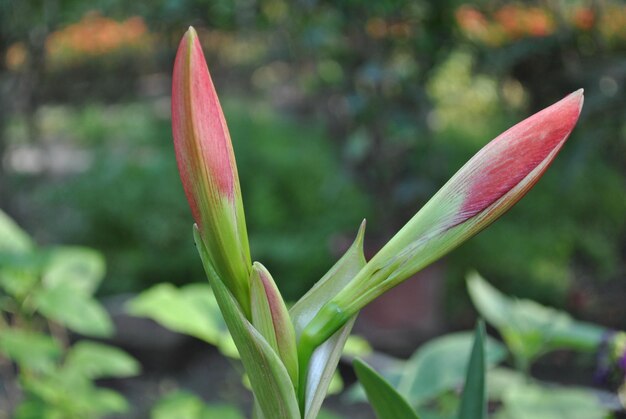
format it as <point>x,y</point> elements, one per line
<point>207,167</point>
<point>271,318</point>
<point>490,183</point>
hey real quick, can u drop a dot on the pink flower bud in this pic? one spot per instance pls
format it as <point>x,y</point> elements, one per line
<point>207,167</point>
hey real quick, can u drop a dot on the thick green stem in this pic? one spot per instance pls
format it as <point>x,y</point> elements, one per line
<point>326,322</point>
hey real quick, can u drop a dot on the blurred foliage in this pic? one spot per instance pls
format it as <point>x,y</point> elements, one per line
<point>183,405</point>
<point>295,195</point>
<point>407,90</point>
<point>431,379</point>
<point>44,294</point>
<point>191,310</point>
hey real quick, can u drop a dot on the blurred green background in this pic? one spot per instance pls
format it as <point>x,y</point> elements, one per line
<point>338,110</point>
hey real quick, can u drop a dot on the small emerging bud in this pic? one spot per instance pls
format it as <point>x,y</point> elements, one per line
<point>490,183</point>
<point>207,167</point>
<point>271,318</point>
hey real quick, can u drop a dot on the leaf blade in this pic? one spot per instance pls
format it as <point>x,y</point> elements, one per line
<point>385,400</point>
<point>474,399</point>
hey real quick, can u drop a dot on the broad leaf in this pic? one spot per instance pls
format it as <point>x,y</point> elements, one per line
<point>184,405</point>
<point>268,377</point>
<point>80,268</point>
<point>325,359</point>
<point>95,360</point>
<point>535,401</point>
<point>529,328</point>
<point>68,394</point>
<point>12,238</point>
<point>20,273</point>
<point>385,400</point>
<point>474,399</point>
<point>29,350</point>
<point>78,312</point>
<point>440,365</point>
<point>191,310</point>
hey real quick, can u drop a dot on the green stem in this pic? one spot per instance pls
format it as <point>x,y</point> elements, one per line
<point>326,322</point>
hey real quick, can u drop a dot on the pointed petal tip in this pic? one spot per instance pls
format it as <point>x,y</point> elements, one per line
<point>191,32</point>
<point>258,266</point>
<point>578,95</point>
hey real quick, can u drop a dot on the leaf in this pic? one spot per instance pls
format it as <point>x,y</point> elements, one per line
<point>95,360</point>
<point>326,414</point>
<point>268,377</point>
<point>474,399</point>
<point>191,310</point>
<point>68,394</point>
<point>184,405</point>
<point>103,401</point>
<point>74,310</point>
<point>440,365</point>
<point>12,238</point>
<point>326,357</point>
<point>385,400</point>
<point>30,350</point>
<point>19,273</point>
<point>529,328</point>
<point>357,346</point>
<point>535,401</point>
<point>80,268</point>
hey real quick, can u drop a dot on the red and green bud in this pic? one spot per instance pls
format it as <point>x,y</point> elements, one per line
<point>271,318</point>
<point>207,168</point>
<point>489,184</point>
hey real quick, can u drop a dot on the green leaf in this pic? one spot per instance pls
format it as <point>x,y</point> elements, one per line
<point>96,360</point>
<point>440,365</point>
<point>357,346</point>
<point>474,399</point>
<point>325,414</point>
<point>30,350</point>
<point>385,400</point>
<point>19,273</point>
<point>184,405</point>
<point>79,267</point>
<point>535,401</point>
<point>191,310</point>
<point>70,395</point>
<point>269,379</point>
<point>529,328</point>
<point>12,238</point>
<point>326,357</point>
<point>76,311</point>
<point>103,401</point>
<point>500,380</point>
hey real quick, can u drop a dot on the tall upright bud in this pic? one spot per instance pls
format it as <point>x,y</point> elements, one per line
<point>490,183</point>
<point>206,163</point>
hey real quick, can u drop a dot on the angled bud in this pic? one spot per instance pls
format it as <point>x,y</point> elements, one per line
<point>490,183</point>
